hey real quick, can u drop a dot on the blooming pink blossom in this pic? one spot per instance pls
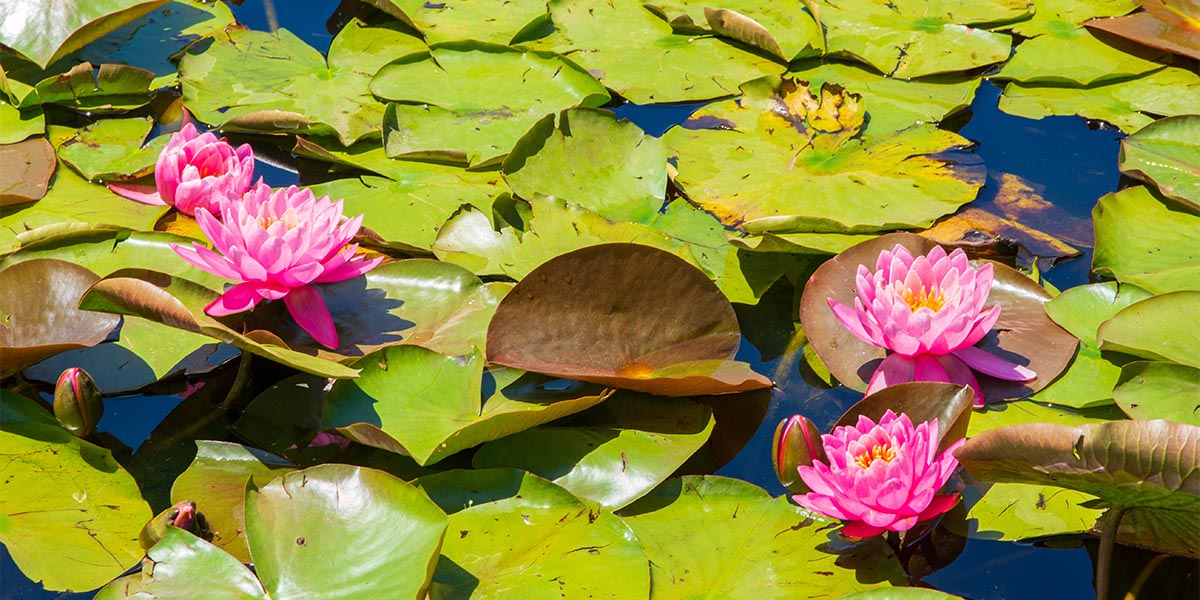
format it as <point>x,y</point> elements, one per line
<point>195,171</point>
<point>277,243</point>
<point>880,477</point>
<point>929,311</point>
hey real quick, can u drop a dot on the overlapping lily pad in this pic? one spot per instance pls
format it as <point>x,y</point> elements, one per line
<point>377,408</point>
<point>185,566</point>
<point>273,82</point>
<point>453,20</point>
<point>1024,330</point>
<point>112,149</point>
<point>27,179</point>
<point>717,537</point>
<point>17,124</point>
<point>71,512</point>
<point>608,314</point>
<point>46,29</point>
<point>1159,390</point>
<point>1164,24</point>
<point>1150,328</point>
<point>784,30</point>
<point>469,102</point>
<point>785,158</point>
<point>511,530</point>
<point>1146,241</point>
<point>1017,511</point>
<point>109,88</point>
<point>1167,154</point>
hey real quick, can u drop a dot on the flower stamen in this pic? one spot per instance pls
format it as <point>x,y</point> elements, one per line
<point>884,452</point>
<point>923,298</point>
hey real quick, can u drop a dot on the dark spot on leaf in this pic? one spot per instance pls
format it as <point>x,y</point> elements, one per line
<point>300,541</point>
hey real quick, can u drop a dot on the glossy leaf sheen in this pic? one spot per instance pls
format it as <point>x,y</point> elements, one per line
<point>186,567</point>
<point>1167,154</point>
<point>46,29</point>
<point>1151,329</point>
<point>1159,390</point>
<point>1147,241</point>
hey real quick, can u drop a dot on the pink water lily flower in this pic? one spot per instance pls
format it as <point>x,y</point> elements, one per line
<point>277,243</point>
<point>195,170</point>
<point>880,477</point>
<point>929,311</point>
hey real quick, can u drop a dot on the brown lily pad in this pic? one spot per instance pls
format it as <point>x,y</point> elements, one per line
<point>922,401</point>
<point>1024,334</point>
<point>1171,25</point>
<point>28,166</point>
<point>39,314</point>
<point>623,315</point>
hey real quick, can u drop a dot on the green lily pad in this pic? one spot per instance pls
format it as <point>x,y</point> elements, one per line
<point>759,163</point>
<point>607,314</point>
<point>1150,329</point>
<point>331,531</point>
<point>69,513</point>
<point>248,80</point>
<point>1152,467</point>
<point>911,38</point>
<point>1144,241</point>
<point>591,159</point>
<point>784,30</point>
<point>216,482</point>
<point>111,149</point>
<point>1129,104</point>
<point>1012,512</point>
<point>377,408</point>
<point>713,537</point>
<point>43,30</point>
<point>511,530</point>
<point>1159,390</point>
<point>1165,153</point>
<point>1024,412</point>
<point>469,102</point>
<point>1081,310</point>
<point>1087,382</point>
<point>900,593</point>
<point>1058,16</point>
<point>1073,57</point>
<point>109,88</point>
<point>38,301</point>
<point>16,123</point>
<point>453,20</point>
<point>29,180</point>
<point>610,455</point>
<point>184,566</point>
<point>635,53</point>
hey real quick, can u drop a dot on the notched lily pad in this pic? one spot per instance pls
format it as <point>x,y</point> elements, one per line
<point>1150,328</point>
<point>28,166</point>
<point>784,30</point>
<point>610,314</point>
<point>1147,241</point>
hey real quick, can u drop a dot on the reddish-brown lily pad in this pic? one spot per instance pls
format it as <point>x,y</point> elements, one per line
<point>39,314</point>
<point>623,315</point>
<point>28,166</point>
<point>1024,334</point>
<point>922,401</point>
<point>1164,24</point>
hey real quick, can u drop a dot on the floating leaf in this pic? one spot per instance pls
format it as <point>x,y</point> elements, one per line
<point>612,454</point>
<point>758,163</point>
<point>608,314</point>
<point>184,566</point>
<point>111,149</point>
<point>1024,412</point>
<point>1150,328</point>
<point>1073,57</point>
<point>332,531</point>
<point>38,301</point>
<point>46,29</point>
<point>591,159</point>
<point>1164,24</point>
<point>70,513</point>
<point>108,88</point>
<point>1144,241</point>
<point>451,20</point>
<point>1166,153</point>
<point>17,124</point>
<point>1081,310</point>
<point>31,164</point>
<point>247,80</point>
<point>1017,511</point>
<point>377,408</point>
<point>470,102</point>
<point>717,537</point>
<point>1159,390</point>
<point>634,53</point>
<point>1024,330</point>
<point>783,29</point>
<point>511,530</point>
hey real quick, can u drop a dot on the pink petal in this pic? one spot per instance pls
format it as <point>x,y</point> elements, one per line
<point>990,364</point>
<point>894,370</point>
<point>146,194</point>
<point>937,506</point>
<point>982,326</point>
<point>858,529</point>
<point>960,373</point>
<point>927,368</point>
<point>243,296</point>
<point>311,314</point>
<point>349,270</point>
<point>206,260</point>
<point>851,320</point>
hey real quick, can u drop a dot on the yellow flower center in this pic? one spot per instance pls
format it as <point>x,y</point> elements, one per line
<point>923,298</point>
<point>883,452</point>
<point>288,219</point>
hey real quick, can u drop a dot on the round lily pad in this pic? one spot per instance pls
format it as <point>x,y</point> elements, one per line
<point>1159,390</point>
<point>1146,240</point>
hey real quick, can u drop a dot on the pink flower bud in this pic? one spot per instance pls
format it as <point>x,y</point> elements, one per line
<point>77,402</point>
<point>199,171</point>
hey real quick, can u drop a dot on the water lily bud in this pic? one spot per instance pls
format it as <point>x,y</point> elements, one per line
<point>77,402</point>
<point>797,443</point>
<point>182,515</point>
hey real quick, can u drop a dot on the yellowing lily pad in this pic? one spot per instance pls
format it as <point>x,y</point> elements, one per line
<point>786,29</point>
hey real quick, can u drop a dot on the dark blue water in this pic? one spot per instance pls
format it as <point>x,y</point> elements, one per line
<point>1076,163</point>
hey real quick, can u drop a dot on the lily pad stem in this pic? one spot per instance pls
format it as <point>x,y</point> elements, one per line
<point>1144,576</point>
<point>1107,541</point>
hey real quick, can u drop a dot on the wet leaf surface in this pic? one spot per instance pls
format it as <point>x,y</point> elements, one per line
<point>45,30</point>
<point>29,166</point>
<point>1165,153</point>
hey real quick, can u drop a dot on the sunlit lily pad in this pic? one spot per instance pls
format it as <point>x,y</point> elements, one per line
<point>591,159</point>
<point>248,80</point>
<point>109,88</point>
<point>337,531</point>
<point>470,102</point>
<point>1151,329</point>
<point>1164,24</point>
<point>1149,467</point>
<point>911,38</point>
<point>1167,154</point>
<point>69,513</point>
<point>609,314</point>
<point>216,482</point>
<point>32,163</point>
<point>636,54</point>
<point>511,530</point>
<point>610,455</point>
<point>1159,390</point>
<point>185,566</point>
<point>1024,330</point>
<point>17,124</point>
<point>716,537</point>
<point>1146,241</point>
<point>46,29</point>
<point>1023,412</point>
<point>1017,511</point>
<point>784,30</point>
<point>452,20</point>
<point>112,149</point>
<point>376,408</point>
<point>767,163</point>
<point>38,300</point>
